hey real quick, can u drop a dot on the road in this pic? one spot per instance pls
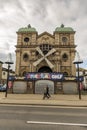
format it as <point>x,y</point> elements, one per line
<point>42,118</point>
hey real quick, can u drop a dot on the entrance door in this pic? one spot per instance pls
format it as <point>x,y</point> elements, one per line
<point>40,84</point>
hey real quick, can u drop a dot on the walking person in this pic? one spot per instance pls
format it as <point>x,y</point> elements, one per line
<point>46,92</point>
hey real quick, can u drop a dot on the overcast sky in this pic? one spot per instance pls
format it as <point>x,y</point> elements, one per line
<point>44,15</point>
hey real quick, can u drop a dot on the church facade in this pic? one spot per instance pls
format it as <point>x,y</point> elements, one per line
<point>45,53</point>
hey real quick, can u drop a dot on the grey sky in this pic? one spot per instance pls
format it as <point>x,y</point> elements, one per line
<point>44,15</point>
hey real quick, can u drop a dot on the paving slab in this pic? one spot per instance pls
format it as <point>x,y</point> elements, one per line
<point>37,99</point>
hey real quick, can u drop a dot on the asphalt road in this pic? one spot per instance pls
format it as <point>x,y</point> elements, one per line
<point>42,118</point>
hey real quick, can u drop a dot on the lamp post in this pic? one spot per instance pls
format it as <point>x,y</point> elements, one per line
<point>78,61</point>
<point>8,62</point>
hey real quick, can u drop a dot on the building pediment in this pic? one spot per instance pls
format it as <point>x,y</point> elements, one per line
<point>46,34</point>
<point>45,37</point>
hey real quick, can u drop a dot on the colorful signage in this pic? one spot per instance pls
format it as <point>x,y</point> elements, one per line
<point>50,76</point>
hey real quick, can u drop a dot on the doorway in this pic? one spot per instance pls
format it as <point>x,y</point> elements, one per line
<point>40,84</point>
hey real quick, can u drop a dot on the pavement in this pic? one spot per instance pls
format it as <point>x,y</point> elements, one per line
<point>37,99</point>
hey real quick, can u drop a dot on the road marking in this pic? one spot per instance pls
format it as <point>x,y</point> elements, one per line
<point>55,123</point>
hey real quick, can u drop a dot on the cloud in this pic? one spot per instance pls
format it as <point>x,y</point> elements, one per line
<point>44,16</point>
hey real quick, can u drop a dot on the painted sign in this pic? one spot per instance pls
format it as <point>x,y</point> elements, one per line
<point>50,76</point>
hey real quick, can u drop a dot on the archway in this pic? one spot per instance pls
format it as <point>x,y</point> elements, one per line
<point>40,84</point>
<point>45,69</point>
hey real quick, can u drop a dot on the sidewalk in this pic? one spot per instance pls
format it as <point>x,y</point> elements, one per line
<point>37,99</point>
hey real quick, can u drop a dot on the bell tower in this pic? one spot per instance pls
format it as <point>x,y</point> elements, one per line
<point>64,40</point>
<point>26,42</point>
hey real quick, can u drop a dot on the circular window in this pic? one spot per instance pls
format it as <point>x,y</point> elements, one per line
<point>65,57</point>
<point>64,39</point>
<point>25,57</point>
<point>26,39</point>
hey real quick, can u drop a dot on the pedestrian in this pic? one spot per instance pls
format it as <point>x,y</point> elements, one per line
<point>45,95</point>
<point>46,92</point>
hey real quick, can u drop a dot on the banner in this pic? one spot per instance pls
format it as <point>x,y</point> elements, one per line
<point>50,76</point>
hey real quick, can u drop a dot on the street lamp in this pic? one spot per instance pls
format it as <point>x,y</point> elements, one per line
<point>78,61</point>
<point>8,62</point>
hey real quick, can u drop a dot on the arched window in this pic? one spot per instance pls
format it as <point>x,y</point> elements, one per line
<point>65,57</point>
<point>25,57</point>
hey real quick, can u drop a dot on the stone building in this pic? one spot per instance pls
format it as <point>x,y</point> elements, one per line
<point>0,71</point>
<point>45,53</point>
<point>4,73</point>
